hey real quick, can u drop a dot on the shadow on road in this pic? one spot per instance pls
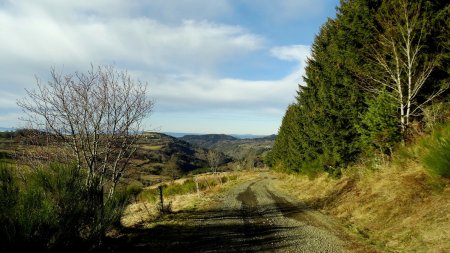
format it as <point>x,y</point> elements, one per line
<point>243,230</point>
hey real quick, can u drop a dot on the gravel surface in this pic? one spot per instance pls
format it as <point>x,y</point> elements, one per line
<point>251,217</point>
<point>275,222</point>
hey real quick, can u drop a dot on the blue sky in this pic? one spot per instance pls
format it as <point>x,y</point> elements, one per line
<point>222,66</point>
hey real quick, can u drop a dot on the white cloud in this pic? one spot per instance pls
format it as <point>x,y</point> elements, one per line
<point>157,41</point>
<point>291,53</point>
<point>191,45</point>
<point>210,93</point>
<point>8,100</point>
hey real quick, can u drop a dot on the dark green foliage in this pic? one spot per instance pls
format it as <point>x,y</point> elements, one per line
<point>331,123</point>
<point>188,186</point>
<point>9,196</point>
<point>322,135</point>
<point>379,126</point>
<point>53,209</point>
<point>437,157</point>
<point>283,150</point>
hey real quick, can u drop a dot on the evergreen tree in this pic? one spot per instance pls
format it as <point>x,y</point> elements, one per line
<point>281,153</point>
<point>322,130</point>
<point>333,97</point>
<point>379,127</point>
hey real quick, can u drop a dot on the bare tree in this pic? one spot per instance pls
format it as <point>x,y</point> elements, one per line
<point>214,159</point>
<point>97,115</point>
<point>403,68</point>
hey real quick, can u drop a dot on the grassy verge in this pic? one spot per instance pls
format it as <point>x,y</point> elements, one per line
<point>181,195</point>
<point>399,206</point>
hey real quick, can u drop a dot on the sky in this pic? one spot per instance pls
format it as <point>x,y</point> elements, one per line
<point>222,66</point>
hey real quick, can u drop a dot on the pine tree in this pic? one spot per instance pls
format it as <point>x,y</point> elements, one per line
<point>379,126</point>
<point>324,129</point>
<point>334,97</point>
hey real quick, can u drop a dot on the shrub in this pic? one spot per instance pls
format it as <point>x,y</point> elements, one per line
<point>437,155</point>
<point>133,190</point>
<point>188,186</point>
<point>9,195</point>
<point>436,114</point>
<point>151,195</point>
<point>54,210</point>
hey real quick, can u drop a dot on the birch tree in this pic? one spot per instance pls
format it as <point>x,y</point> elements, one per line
<point>401,65</point>
<point>214,159</point>
<point>97,115</point>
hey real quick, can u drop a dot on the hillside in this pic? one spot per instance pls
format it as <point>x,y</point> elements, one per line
<point>157,155</point>
<point>207,140</point>
<point>163,155</point>
<point>249,153</point>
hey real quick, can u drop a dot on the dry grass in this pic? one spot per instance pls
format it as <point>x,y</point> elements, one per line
<point>150,147</point>
<point>145,211</point>
<point>399,209</point>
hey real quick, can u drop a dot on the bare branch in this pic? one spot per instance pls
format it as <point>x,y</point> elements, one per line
<point>399,63</point>
<point>97,114</point>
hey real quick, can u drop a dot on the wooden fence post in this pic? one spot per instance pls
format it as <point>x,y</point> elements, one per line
<point>196,185</point>
<point>161,199</point>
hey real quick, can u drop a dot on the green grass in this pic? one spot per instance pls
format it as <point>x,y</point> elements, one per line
<point>187,187</point>
<point>151,178</point>
<point>437,155</point>
<point>151,147</point>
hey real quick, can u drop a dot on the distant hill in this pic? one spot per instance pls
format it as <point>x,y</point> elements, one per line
<point>249,152</point>
<point>207,140</point>
<point>161,154</point>
<point>247,136</point>
<point>238,136</point>
<point>268,138</point>
<point>177,134</point>
<point>156,155</point>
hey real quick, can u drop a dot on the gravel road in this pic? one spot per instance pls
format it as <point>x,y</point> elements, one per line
<point>251,217</point>
<point>273,223</point>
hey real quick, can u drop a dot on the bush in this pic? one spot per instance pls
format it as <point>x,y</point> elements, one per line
<point>188,186</point>
<point>436,114</point>
<point>9,195</point>
<point>437,155</point>
<point>54,209</point>
<point>133,190</point>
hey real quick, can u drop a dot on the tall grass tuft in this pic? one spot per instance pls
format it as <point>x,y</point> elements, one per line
<point>437,155</point>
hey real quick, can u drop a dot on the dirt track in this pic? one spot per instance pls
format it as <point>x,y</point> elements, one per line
<point>252,217</point>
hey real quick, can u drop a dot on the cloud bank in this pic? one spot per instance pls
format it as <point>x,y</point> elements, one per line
<point>178,49</point>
